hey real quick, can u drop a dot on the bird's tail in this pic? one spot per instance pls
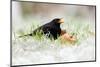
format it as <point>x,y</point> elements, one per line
<point>25,35</point>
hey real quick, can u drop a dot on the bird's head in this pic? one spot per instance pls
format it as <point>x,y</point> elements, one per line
<point>58,20</point>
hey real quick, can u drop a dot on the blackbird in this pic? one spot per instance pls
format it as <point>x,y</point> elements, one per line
<point>51,29</point>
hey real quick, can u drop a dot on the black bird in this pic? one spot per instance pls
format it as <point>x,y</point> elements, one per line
<point>51,29</point>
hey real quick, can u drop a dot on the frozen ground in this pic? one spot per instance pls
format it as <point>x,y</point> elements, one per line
<point>34,52</point>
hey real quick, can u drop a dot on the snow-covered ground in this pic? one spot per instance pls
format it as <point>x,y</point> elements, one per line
<point>35,52</point>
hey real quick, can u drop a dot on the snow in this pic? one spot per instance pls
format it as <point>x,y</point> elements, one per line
<point>32,52</point>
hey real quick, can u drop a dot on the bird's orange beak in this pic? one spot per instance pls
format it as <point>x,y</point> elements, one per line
<point>61,20</point>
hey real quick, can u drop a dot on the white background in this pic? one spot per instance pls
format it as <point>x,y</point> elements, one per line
<point>5,33</point>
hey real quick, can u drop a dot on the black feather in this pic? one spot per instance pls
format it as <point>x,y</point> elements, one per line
<point>52,29</point>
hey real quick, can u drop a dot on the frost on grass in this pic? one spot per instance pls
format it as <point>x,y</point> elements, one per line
<point>35,50</point>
